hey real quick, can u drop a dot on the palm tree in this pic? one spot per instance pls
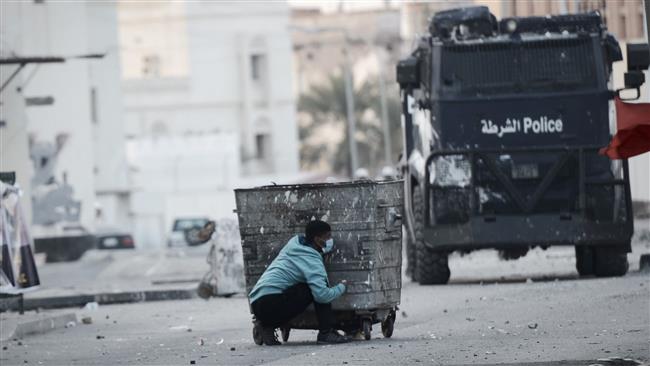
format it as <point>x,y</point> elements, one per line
<point>323,111</point>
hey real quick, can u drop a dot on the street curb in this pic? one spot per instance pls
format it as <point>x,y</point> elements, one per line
<point>100,298</point>
<point>40,326</point>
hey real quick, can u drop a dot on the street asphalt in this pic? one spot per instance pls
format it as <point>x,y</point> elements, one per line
<point>533,311</point>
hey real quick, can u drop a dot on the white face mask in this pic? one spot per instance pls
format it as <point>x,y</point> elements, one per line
<point>329,244</point>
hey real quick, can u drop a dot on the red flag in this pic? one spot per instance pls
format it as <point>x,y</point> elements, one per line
<point>633,131</point>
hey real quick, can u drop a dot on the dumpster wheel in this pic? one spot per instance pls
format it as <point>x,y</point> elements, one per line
<point>257,334</point>
<point>285,334</point>
<point>367,329</point>
<point>388,325</point>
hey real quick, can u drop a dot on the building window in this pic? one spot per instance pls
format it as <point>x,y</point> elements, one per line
<point>151,65</point>
<point>263,146</point>
<point>158,129</point>
<point>258,62</point>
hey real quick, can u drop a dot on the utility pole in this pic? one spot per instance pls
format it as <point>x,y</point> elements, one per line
<point>388,153</point>
<point>349,103</point>
<point>646,11</point>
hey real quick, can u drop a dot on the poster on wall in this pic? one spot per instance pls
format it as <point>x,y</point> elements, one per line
<point>18,271</point>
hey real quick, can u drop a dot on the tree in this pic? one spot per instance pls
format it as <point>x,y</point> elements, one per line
<point>324,130</point>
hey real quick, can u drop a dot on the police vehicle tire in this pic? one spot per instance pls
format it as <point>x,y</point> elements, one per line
<point>610,261</point>
<point>411,244</point>
<point>584,260</point>
<point>431,266</point>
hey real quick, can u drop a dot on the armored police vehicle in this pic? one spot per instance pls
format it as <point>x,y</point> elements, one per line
<point>503,121</point>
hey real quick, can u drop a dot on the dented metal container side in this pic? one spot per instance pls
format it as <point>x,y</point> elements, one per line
<point>366,227</point>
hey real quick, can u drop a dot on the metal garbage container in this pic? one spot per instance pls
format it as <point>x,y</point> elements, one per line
<point>366,226</point>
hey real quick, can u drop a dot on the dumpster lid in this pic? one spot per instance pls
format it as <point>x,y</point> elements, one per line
<point>358,183</point>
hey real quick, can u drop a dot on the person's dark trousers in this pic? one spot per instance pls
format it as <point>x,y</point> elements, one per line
<point>277,309</point>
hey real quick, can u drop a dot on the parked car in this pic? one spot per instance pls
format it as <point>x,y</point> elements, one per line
<point>114,239</point>
<point>181,228</point>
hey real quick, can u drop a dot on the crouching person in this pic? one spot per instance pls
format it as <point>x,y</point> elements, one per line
<point>295,279</point>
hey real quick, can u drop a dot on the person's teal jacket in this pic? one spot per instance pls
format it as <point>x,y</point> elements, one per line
<point>297,263</point>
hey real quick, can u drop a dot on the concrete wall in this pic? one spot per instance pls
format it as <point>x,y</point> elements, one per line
<point>181,176</point>
<point>87,133</point>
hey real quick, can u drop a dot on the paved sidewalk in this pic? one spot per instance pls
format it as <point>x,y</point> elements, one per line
<point>16,326</point>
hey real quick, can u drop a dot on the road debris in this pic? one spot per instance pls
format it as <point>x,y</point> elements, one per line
<point>87,320</point>
<point>220,342</point>
<point>532,325</point>
<point>180,328</point>
<point>91,306</point>
<point>70,324</point>
<point>201,341</point>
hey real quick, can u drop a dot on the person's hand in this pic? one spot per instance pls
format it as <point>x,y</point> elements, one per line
<point>344,282</point>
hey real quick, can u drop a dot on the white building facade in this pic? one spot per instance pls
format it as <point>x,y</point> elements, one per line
<point>213,74</point>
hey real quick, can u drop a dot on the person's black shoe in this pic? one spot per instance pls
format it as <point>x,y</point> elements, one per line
<point>331,337</point>
<point>269,337</point>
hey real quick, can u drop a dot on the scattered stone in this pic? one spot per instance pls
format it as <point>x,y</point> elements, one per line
<point>192,362</point>
<point>4,348</point>
<point>20,343</point>
<point>444,310</point>
<point>232,348</point>
<point>470,319</point>
<point>532,326</point>
<point>201,341</point>
<point>180,327</point>
<point>189,329</point>
<point>404,314</point>
<point>87,320</point>
<point>114,321</point>
<point>490,353</point>
<point>70,324</point>
<point>100,337</point>
<point>491,327</point>
<point>507,322</point>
